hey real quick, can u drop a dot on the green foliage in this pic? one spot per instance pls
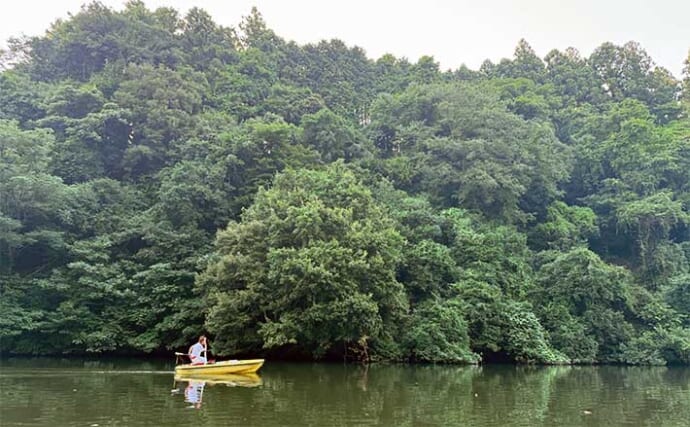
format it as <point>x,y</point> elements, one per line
<point>496,255</point>
<point>23,151</point>
<point>677,294</point>
<point>312,263</point>
<point>162,104</point>
<point>428,269</point>
<point>292,103</point>
<point>535,210</point>
<point>501,328</point>
<point>471,150</point>
<point>628,72</point>
<point>332,137</point>
<point>659,347</point>
<point>564,228</point>
<point>652,219</point>
<point>20,97</point>
<point>586,305</point>
<point>438,333</point>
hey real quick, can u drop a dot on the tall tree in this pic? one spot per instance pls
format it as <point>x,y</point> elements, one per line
<point>312,263</point>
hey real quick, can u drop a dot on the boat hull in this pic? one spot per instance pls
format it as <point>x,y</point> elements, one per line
<point>220,368</point>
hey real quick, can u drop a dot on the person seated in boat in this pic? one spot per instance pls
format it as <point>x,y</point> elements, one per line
<point>195,351</point>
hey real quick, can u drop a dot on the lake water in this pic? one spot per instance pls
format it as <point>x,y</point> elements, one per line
<point>57,392</point>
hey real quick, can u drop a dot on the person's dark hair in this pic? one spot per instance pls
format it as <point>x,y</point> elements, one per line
<point>203,337</point>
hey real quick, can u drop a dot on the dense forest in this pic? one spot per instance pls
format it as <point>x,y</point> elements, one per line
<point>163,176</point>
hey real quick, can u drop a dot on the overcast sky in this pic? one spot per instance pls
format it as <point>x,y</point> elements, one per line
<point>452,31</point>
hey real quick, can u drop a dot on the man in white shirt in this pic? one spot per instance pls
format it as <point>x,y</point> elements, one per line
<point>195,351</point>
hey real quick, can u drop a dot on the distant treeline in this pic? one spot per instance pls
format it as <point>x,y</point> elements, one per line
<point>163,176</point>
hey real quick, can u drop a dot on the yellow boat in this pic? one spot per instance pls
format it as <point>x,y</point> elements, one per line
<point>219,368</point>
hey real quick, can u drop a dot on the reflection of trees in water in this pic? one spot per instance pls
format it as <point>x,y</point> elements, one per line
<point>61,398</point>
<point>625,395</point>
<point>356,395</point>
<point>338,395</point>
<point>516,393</point>
<point>494,395</point>
<point>411,395</point>
<point>62,391</point>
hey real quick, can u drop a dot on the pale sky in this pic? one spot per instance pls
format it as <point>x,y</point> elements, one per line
<point>452,31</point>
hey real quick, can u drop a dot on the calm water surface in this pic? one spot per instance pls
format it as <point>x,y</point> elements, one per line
<point>50,392</point>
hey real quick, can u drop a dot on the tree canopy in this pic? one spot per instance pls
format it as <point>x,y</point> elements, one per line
<point>163,176</point>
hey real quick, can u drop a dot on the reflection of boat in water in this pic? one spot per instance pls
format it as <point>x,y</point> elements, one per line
<point>220,368</point>
<point>194,391</point>
<point>234,380</point>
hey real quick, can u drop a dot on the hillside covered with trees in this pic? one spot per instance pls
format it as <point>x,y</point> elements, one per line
<point>163,176</point>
